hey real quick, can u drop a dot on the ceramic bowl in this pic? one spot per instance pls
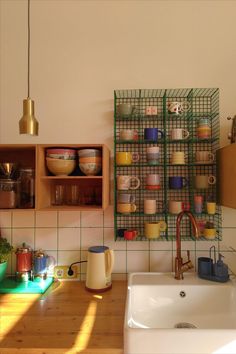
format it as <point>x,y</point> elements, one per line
<point>90,159</point>
<point>60,167</point>
<point>61,151</point>
<point>89,153</point>
<point>62,157</point>
<point>90,168</point>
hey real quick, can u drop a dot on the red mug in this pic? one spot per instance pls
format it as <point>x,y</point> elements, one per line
<point>130,234</point>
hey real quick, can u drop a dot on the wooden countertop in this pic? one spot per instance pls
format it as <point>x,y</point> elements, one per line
<point>66,319</point>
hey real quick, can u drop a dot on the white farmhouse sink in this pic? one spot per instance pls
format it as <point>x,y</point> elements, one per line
<point>164,315</point>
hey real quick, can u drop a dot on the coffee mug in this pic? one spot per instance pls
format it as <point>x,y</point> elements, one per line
<point>211,208</point>
<point>151,111</point>
<point>152,134</point>
<point>126,110</point>
<point>130,234</point>
<point>153,229</point>
<point>177,182</point>
<point>209,234</point>
<point>150,206</point>
<point>178,158</point>
<point>127,182</point>
<point>203,182</point>
<point>129,135</point>
<point>152,155</point>
<point>198,204</point>
<point>126,198</point>
<point>178,107</point>
<point>126,208</point>
<point>179,134</point>
<point>204,157</point>
<point>153,181</point>
<point>203,132</point>
<point>175,207</point>
<point>126,158</point>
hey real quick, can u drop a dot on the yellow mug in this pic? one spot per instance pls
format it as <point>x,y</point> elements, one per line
<point>126,158</point>
<point>210,234</point>
<point>211,208</point>
<point>126,208</point>
<point>153,229</point>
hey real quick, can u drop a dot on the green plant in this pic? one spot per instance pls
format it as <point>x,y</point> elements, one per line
<point>5,249</point>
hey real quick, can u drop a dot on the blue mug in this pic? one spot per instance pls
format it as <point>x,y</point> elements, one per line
<point>177,182</point>
<point>152,134</point>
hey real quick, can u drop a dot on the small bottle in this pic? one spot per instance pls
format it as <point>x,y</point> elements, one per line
<point>27,182</point>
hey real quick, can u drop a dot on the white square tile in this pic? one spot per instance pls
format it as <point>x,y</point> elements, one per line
<point>161,245</point>
<point>161,261</point>
<point>91,218</point>
<point>109,216</point>
<point>23,219</point>
<point>120,262</point>
<point>5,218</point>
<point>46,239</point>
<point>91,237</point>
<point>109,240</point>
<point>228,217</point>
<point>186,245</point>
<point>205,245</point>
<point>68,257</point>
<point>83,266</point>
<point>23,235</point>
<point>229,237</point>
<point>121,276</point>
<point>69,218</point>
<point>68,239</point>
<point>137,261</point>
<point>46,219</point>
<point>137,245</point>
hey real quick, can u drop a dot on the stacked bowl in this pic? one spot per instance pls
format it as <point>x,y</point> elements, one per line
<point>60,161</point>
<point>90,161</point>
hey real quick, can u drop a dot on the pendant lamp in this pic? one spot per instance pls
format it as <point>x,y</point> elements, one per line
<point>28,124</point>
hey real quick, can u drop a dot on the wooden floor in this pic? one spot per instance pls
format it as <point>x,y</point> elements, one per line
<point>66,319</point>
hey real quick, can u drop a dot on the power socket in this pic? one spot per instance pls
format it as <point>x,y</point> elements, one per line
<point>61,272</point>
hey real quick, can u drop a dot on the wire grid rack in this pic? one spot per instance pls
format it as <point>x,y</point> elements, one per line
<point>203,103</point>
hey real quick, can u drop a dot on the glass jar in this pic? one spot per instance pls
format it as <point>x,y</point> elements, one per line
<point>27,187</point>
<point>9,194</point>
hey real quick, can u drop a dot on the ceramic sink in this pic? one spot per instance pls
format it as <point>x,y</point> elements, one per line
<point>168,316</point>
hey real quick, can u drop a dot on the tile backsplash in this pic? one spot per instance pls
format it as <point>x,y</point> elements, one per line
<point>66,235</point>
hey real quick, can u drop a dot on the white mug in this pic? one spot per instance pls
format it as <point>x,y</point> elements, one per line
<point>179,134</point>
<point>178,158</point>
<point>178,107</point>
<point>150,206</point>
<point>151,111</point>
<point>127,182</point>
<point>153,180</point>
<point>204,157</point>
<point>175,207</point>
<point>128,134</point>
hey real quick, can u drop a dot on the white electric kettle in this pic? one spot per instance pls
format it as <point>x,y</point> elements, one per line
<point>99,267</point>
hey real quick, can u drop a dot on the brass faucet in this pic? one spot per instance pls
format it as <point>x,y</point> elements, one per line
<point>181,267</point>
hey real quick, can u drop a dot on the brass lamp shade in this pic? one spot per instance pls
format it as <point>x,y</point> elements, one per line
<point>28,124</point>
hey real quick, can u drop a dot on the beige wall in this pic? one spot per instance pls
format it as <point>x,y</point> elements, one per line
<point>83,50</point>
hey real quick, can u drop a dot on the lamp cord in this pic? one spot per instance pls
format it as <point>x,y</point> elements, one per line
<point>28,49</point>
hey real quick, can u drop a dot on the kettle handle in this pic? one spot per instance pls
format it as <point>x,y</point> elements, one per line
<point>109,261</point>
